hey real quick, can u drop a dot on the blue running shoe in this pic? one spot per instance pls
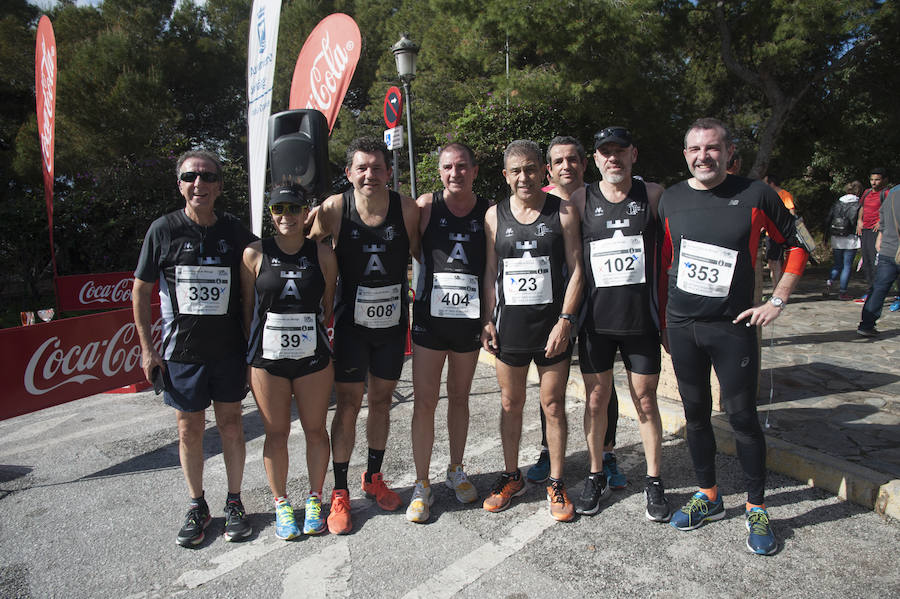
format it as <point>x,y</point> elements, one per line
<point>541,470</point>
<point>285,525</point>
<point>615,478</point>
<point>895,305</point>
<point>698,511</point>
<point>762,538</point>
<point>313,522</point>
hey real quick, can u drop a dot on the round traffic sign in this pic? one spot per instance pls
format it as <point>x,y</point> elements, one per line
<point>393,107</point>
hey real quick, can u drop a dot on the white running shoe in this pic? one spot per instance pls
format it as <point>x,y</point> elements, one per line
<point>459,482</point>
<point>419,503</point>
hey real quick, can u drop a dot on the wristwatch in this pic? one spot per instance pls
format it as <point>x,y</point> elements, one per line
<point>569,317</point>
<point>777,302</point>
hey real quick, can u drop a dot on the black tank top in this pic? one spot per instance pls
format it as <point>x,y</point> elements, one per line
<point>287,318</point>
<point>620,258</point>
<point>373,261</point>
<point>531,277</point>
<point>453,248</point>
<point>200,288</point>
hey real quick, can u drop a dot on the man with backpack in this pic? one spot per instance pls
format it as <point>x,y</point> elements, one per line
<point>841,227</point>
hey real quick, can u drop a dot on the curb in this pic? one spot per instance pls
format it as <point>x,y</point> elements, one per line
<point>849,481</point>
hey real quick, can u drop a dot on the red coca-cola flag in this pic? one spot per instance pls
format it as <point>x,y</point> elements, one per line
<point>45,93</point>
<point>96,291</point>
<point>325,66</point>
<point>51,363</point>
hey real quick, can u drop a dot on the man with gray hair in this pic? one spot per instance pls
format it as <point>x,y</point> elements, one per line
<point>534,257</point>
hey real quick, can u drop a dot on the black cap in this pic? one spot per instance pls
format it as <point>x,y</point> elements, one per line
<point>612,135</point>
<point>288,195</point>
<point>878,170</point>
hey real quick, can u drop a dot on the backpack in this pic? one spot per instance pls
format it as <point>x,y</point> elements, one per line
<point>843,222</point>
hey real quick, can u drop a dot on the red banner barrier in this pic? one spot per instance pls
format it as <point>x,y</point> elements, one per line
<point>325,66</point>
<point>48,364</point>
<point>96,292</point>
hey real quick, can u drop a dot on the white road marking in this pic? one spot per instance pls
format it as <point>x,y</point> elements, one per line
<point>469,568</point>
<point>323,574</point>
<point>229,561</point>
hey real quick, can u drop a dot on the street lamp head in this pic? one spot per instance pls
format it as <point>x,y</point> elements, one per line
<point>405,54</point>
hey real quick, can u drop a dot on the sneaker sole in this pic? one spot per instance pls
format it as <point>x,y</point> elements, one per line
<point>230,537</point>
<point>536,480</point>
<point>712,518</point>
<point>770,552</point>
<point>315,531</point>
<point>288,537</point>
<point>667,518</point>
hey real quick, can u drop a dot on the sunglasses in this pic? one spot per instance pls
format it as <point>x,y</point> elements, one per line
<point>205,176</point>
<point>279,209</point>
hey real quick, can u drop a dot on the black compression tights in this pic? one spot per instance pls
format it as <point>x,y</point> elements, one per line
<point>733,351</point>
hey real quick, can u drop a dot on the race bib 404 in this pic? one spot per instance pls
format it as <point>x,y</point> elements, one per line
<point>455,295</point>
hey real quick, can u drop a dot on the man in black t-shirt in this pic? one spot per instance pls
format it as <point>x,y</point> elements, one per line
<point>195,255</point>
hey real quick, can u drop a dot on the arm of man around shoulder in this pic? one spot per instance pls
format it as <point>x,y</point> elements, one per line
<point>489,300</point>
<point>424,205</point>
<point>561,334</point>
<point>140,304</point>
<point>328,219</point>
<point>249,270</point>
<point>329,266</point>
<point>411,221</point>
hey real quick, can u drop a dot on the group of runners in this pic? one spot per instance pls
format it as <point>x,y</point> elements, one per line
<point>621,264</point>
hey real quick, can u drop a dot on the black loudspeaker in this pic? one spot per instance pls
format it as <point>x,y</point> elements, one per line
<point>298,151</point>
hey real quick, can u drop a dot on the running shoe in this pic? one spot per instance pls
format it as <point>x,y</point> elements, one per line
<point>862,300</point>
<point>698,511</point>
<point>313,523</point>
<point>339,516</point>
<point>377,490</point>
<point>504,490</point>
<point>236,525</point>
<point>195,521</point>
<point>615,478</point>
<point>895,305</point>
<point>844,296</point>
<point>419,503</point>
<point>596,490</point>
<point>541,469</point>
<point>459,482</point>
<point>762,538</point>
<point>657,505</point>
<point>285,524</point>
<point>561,508</point>
<point>873,332</point>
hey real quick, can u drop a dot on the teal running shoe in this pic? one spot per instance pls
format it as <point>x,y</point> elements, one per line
<point>313,522</point>
<point>697,512</point>
<point>762,539</point>
<point>285,525</point>
<point>614,477</point>
<point>541,469</point>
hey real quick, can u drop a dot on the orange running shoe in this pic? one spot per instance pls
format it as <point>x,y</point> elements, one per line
<point>504,490</point>
<point>560,507</point>
<point>386,499</point>
<point>339,516</point>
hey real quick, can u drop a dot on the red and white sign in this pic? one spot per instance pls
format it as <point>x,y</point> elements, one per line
<point>95,292</point>
<point>45,92</point>
<point>48,364</point>
<point>325,66</point>
<point>393,107</point>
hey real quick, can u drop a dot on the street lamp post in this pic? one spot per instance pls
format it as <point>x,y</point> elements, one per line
<point>405,54</point>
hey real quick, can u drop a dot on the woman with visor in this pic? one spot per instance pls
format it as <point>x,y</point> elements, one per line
<point>288,285</point>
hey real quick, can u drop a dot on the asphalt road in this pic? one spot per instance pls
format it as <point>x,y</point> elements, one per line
<point>91,497</point>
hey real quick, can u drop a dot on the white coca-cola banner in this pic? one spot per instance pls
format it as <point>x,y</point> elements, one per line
<point>51,363</point>
<point>325,66</point>
<point>260,74</point>
<point>102,291</point>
